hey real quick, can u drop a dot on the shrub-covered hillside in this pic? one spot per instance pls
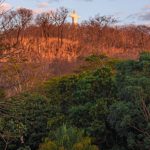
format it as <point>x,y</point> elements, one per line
<point>105,106</point>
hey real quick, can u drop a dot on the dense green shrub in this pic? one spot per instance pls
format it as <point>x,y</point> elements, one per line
<point>107,106</point>
<point>68,138</point>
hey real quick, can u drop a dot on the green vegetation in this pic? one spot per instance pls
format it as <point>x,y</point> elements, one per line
<point>68,139</point>
<point>106,106</point>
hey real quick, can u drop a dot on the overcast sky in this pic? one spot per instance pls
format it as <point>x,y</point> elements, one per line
<point>127,11</point>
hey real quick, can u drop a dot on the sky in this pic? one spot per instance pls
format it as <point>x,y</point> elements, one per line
<point>126,11</point>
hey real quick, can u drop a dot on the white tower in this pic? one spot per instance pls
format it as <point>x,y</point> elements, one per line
<point>75,17</point>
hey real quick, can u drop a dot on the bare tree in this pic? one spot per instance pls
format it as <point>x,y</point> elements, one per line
<point>12,24</point>
<point>44,21</point>
<point>25,16</point>
<point>59,17</point>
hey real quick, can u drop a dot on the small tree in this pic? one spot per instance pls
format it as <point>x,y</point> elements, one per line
<point>68,139</point>
<point>59,18</point>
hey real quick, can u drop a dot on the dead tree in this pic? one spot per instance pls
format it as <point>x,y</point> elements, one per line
<point>59,17</point>
<point>44,21</point>
<point>12,24</point>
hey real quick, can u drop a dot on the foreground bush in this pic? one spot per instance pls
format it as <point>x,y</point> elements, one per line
<point>68,139</point>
